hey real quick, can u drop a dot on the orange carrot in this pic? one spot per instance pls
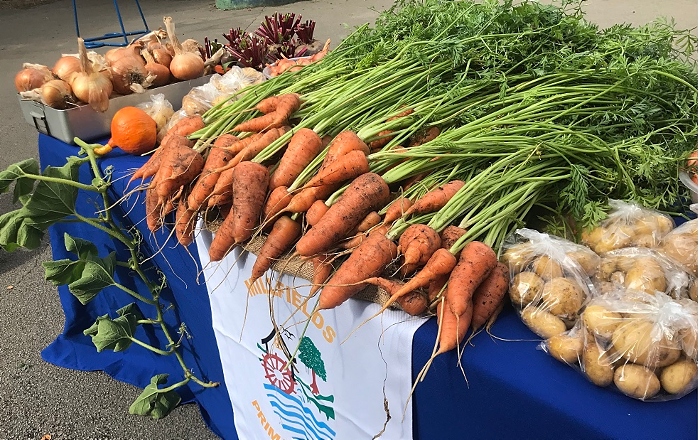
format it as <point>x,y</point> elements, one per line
<point>372,219</point>
<point>302,200</point>
<point>150,168</point>
<point>342,144</point>
<point>287,104</point>
<point>316,211</point>
<point>179,166</point>
<point>385,136</point>
<point>353,241</point>
<point>303,147</point>
<point>453,328</point>
<point>397,209</point>
<point>322,271</point>
<point>187,125</point>
<point>281,238</point>
<point>410,181</point>
<point>435,199</point>
<point>256,146</point>
<point>436,286</point>
<point>184,222</point>
<point>424,136</point>
<point>490,294</point>
<point>340,170</point>
<point>221,194</point>
<point>414,303</point>
<point>321,53</point>
<point>368,260</point>
<point>224,240</point>
<point>476,261</point>
<point>365,194</point>
<point>450,235</point>
<point>268,105</point>
<point>250,182</point>
<point>418,243</point>
<point>153,217</point>
<point>219,155</point>
<point>277,200</point>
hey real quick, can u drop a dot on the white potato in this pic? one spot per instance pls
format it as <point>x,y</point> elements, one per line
<point>600,321</point>
<point>525,288</point>
<point>636,381</point>
<point>565,348</point>
<point>543,323</point>
<point>596,365</point>
<point>680,377</point>
<point>639,342</point>
<point>562,297</point>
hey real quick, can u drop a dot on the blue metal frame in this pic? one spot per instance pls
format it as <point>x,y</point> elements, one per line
<point>100,41</point>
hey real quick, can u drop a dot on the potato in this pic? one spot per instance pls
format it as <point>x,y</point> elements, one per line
<point>600,321</point>
<point>688,339</point>
<point>636,381</point>
<point>543,323</point>
<point>565,348</point>
<point>525,288</point>
<point>596,365</point>
<point>679,377</point>
<point>590,237</point>
<point>606,269</point>
<point>613,238</point>
<point>518,256</point>
<point>562,297</point>
<point>547,268</point>
<point>682,247</point>
<point>586,259</point>
<point>693,290</point>
<point>633,339</point>
<point>646,276</point>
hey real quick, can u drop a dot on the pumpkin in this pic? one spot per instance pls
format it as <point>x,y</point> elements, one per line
<point>133,130</point>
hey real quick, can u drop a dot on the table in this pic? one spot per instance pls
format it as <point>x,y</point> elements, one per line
<point>514,390</point>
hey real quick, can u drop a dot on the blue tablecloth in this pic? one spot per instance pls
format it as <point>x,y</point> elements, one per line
<point>512,389</point>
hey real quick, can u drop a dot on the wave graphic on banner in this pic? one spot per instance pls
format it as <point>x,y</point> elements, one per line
<point>296,417</point>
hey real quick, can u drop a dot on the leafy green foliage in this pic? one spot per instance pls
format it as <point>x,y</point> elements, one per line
<point>154,402</point>
<point>115,334</point>
<point>86,276</point>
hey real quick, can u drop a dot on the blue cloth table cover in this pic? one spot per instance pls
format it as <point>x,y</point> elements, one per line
<point>512,389</point>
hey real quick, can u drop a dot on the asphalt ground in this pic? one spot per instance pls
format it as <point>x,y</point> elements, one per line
<point>38,399</point>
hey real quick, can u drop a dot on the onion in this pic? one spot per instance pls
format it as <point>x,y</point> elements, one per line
<point>32,76</point>
<point>66,67</point>
<point>159,71</point>
<point>89,85</point>
<point>127,71</point>
<point>57,94</point>
<point>184,65</point>
<point>132,50</point>
<point>161,55</point>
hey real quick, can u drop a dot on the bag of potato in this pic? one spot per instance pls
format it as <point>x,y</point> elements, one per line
<point>644,270</point>
<point>161,110</point>
<point>627,225</point>
<point>681,245</point>
<point>550,279</point>
<point>644,345</point>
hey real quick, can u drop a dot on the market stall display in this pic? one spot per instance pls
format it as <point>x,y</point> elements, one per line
<point>363,163</point>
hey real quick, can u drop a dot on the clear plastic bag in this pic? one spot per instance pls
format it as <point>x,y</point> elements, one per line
<point>628,225</point>
<point>550,280</point>
<point>681,245</point>
<point>644,270</point>
<point>161,110</point>
<point>199,99</point>
<point>643,345</point>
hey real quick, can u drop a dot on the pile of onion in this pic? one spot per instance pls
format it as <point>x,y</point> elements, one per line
<point>90,85</point>
<point>184,65</point>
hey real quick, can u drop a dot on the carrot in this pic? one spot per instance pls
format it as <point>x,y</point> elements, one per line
<point>414,303</point>
<point>185,222</point>
<point>365,194</point>
<point>397,209</point>
<point>450,235</point>
<point>277,200</point>
<point>424,136</point>
<point>316,211</point>
<point>453,328</point>
<point>385,136</point>
<point>287,104</point>
<point>410,181</point>
<point>342,169</point>
<point>224,239</point>
<point>368,260</point>
<point>435,199</point>
<point>256,146</point>
<point>322,53</point>
<point>219,155</point>
<point>281,238</point>
<point>153,218</point>
<point>372,219</point>
<point>345,142</point>
<point>303,147</point>
<point>476,261</point>
<point>489,296</point>
<point>221,194</point>
<point>152,165</point>
<point>322,271</point>
<point>268,105</point>
<point>436,286</point>
<point>250,181</point>
<point>302,200</point>
<point>179,166</point>
<point>387,285</point>
<point>187,125</point>
<point>353,241</point>
<point>418,243</point>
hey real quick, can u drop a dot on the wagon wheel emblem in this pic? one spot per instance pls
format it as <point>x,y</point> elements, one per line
<point>275,372</point>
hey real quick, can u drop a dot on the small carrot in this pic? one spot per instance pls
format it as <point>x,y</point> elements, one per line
<point>185,222</point>
<point>343,143</point>
<point>223,241</point>
<point>322,271</point>
<point>268,105</point>
<point>179,166</point>
<point>371,220</point>
<point>436,286</point>
<point>489,296</point>
<point>221,193</point>
<point>287,104</point>
<point>303,147</point>
<point>365,194</point>
<point>250,181</point>
<point>450,235</point>
<point>354,241</point>
<point>152,165</point>
<point>303,199</point>
<point>424,136</point>
<point>368,260</point>
<point>384,137</point>
<point>414,303</point>
<point>256,146</point>
<point>397,209</point>
<point>435,199</point>
<point>187,125</point>
<point>453,328</point>
<point>277,200</point>
<point>281,238</point>
<point>344,168</point>
<point>418,243</point>
<point>316,211</point>
<point>476,261</point>
<point>153,217</point>
<point>219,155</point>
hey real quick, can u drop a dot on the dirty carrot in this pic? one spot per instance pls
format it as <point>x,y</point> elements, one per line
<point>184,222</point>
<point>476,261</point>
<point>418,243</point>
<point>281,238</point>
<point>397,209</point>
<point>322,271</point>
<point>250,181</point>
<point>343,143</point>
<point>219,155</point>
<point>340,170</point>
<point>489,296</point>
<point>435,199</point>
<point>287,104</point>
<point>450,235</point>
<point>303,147</point>
<point>315,212</point>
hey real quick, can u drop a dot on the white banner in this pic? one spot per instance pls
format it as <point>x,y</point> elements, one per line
<point>337,387</point>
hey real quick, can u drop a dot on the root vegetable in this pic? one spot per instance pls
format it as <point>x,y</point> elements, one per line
<point>281,238</point>
<point>417,243</point>
<point>303,147</point>
<point>565,348</point>
<point>525,288</point>
<point>435,199</point>
<point>476,261</point>
<point>680,377</point>
<point>636,381</point>
<point>489,296</point>
<point>562,297</point>
<point>543,323</point>
<point>596,366</point>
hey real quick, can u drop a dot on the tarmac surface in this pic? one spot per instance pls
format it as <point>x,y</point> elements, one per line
<point>37,399</point>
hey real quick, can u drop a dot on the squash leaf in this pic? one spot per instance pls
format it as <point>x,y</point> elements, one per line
<point>115,334</point>
<point>54,200</point>
<point>154,402</point>
<point>17,173</point>
<point>95,276</point>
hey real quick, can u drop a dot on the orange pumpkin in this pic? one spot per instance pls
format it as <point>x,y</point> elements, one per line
<point>133,130</point>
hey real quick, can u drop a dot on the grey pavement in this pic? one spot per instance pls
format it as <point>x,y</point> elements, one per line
<point>37,398</point>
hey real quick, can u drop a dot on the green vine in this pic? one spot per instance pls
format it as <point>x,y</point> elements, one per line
<point>49,197</point>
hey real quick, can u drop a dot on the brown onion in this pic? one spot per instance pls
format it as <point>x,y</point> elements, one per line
<point>159,71</point>
<point>127,71</point>
<point>132,50</point>
<point>184,65</point>
<point>66,67</point>
<point>57,94</point>
<point>32,76</point>
<point>89,85</point>
<point>162,56</point>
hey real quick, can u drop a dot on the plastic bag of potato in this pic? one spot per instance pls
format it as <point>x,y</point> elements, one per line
<point>627,225</point>
<point>644,270</point>
<point>644,345</point>
<point>681,245</point>
<point>550,280</point>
